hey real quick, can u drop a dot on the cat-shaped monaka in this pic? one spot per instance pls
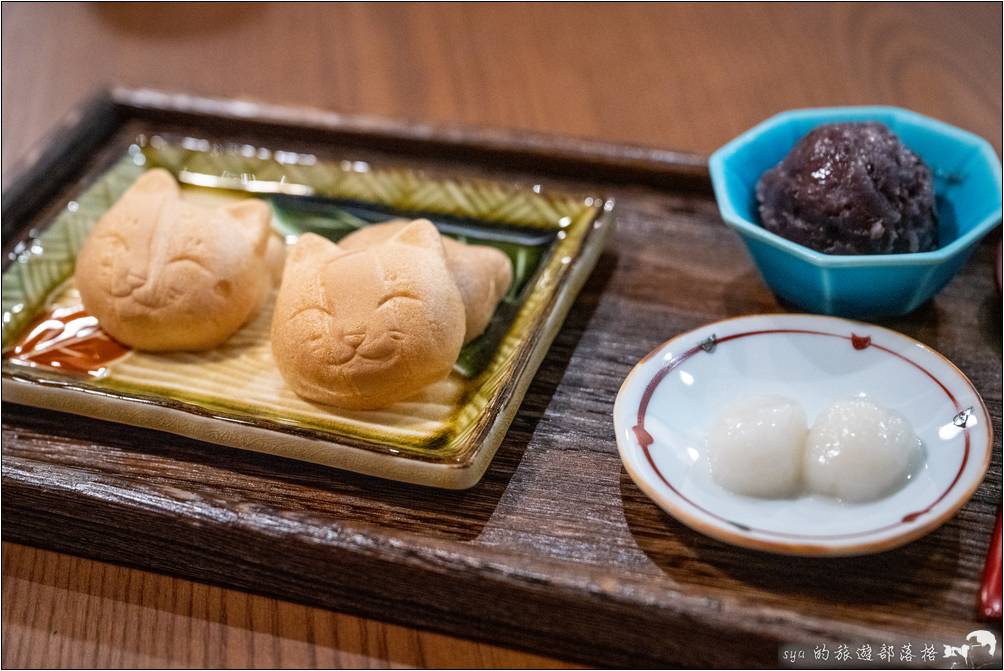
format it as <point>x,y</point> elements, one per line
<point>482,273</point>
<point>162,274</point>
<point>363,329</point>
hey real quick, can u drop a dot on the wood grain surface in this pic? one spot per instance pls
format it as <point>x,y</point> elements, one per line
<point>680,77</point>
<point>64,611</point>
<point>683,76</point>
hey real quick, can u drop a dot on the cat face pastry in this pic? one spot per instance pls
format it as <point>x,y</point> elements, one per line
<point>163,274</point>
<point>483,274</point>
<point>366,328</point>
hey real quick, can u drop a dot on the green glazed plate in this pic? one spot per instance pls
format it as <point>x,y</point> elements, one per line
<point>55,356</point>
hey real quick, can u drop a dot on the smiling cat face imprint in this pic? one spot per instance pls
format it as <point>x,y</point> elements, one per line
<point>364,329</point>
<point>482,273</point>
<point>161,274</point>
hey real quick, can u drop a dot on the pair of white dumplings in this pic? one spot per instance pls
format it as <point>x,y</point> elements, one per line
<point>855,451</point>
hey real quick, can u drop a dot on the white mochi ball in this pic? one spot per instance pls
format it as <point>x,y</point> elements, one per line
<point>859,451</point>
<point>755,446</point>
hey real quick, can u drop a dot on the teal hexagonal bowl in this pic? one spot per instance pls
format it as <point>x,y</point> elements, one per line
<point>967,176</point>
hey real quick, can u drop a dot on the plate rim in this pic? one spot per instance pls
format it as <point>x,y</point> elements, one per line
<point>800,549</point>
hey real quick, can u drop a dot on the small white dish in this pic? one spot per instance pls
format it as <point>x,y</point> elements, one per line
<point>668,401</point>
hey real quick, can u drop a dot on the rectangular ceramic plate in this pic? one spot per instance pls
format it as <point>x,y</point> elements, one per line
<point>233,395</point>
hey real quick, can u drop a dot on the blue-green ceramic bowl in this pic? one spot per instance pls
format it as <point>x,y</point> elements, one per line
<point>967,187</point>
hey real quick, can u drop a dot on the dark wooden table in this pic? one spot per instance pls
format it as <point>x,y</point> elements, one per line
<point>681,77</point>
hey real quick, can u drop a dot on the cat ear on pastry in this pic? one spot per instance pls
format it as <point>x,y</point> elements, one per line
<point>311,245</point>
<point>420,233</point>
<point>255,218</point>
<point>501,269</point>
<point>157,180</point>
<point>136,205</point>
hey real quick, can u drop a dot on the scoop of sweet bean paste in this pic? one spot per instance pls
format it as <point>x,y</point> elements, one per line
<point>851,188</point>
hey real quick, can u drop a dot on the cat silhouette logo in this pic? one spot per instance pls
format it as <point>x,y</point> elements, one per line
<point>977,652</point>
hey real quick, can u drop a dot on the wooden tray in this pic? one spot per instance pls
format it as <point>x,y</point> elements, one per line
<point>555,550</point>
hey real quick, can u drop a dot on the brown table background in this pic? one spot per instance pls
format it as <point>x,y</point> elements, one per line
<point>679,76</point>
